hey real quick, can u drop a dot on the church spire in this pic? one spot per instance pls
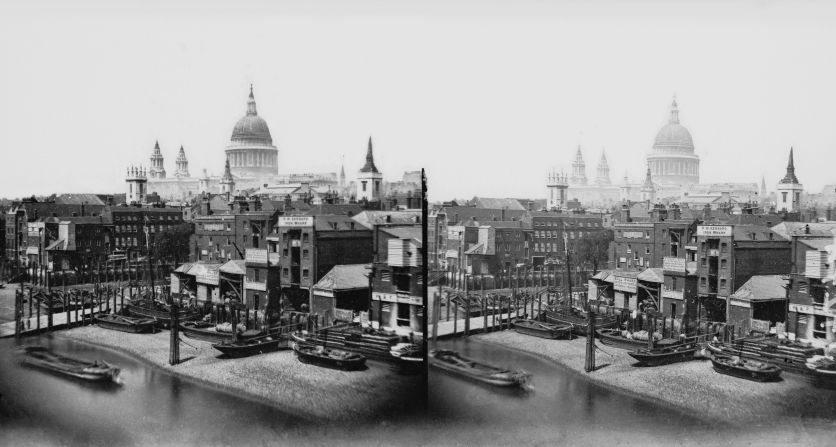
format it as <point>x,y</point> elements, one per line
<point>251,111</point>
<point>790,176</point>
<point>369,166</point>
<point>674,112</point>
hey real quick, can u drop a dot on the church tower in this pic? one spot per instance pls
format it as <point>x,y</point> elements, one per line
<point>648,189</point>
<point>556,186</point>
<point>182,164</point>
<point>203,182</point>
<point>227,182</point>
<point>625,190</point>
<point>603,172</point>
<point>578,170</point>
<point>763,188</point>
<point>789,190</point>
<point>369,179</point>
<point>137,181</point>
<point>157,169</point>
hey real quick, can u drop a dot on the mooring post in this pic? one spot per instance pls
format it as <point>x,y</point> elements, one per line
<point>651,331</point>
<point>174,352</point>
<point>590,342</point>
<point>484,303</point>
<point>29,319</point>
<point>455,320</point>
<point>66,303</point>
<point>448,307</point>
<point>18,302</point>
<point>50,297</point>
<point>38,310</point>
<point>466,309</point>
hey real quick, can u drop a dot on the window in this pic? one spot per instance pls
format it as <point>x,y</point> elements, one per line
<point>305,273</point>
<point>723,263</point>
<point>647,250</point>
<point>673,283</point>
<point>363,183</point>
<point>304,237</point>
<point>723,284</point>
<point>724,247</point>
<point>673,309</point>
<point>256,275</point>
<point>704,262</point>
<point>304,254</point>
<point>285,271</point>
<point>703,283</point>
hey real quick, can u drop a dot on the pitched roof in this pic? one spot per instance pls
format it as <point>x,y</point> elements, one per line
<point>817,244</point>
<point>234,267</point>
<point>652,275</point>
<point>371,218</point>
<point>755,233</point>
<point>787,229</point>
<point>413,232</point>
<point>333,222</point>
<point>497,203</point>
<point>762,288</point>
<point>345,277</point>
<point>459,214</point>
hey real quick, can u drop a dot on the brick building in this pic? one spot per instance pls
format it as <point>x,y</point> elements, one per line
<point>225,234</point>
<point>729,255</point>
<point>397,279</point>
<point>548,229</point>
<point>810,288</point>
<point>310,246</point>
<point>131,222</point>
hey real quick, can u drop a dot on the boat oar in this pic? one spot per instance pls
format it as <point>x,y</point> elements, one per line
<point>180,339</point>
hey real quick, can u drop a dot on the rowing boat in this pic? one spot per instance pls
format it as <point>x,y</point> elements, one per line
<point>454,363</point>
<point>252,346</point>
<point>96,370</point>
<point>543,330</point>
<point>125,324</point>
<point>334,358</point>
<point>745,368</point>
<point>665,355</point>
<point>579,322</point>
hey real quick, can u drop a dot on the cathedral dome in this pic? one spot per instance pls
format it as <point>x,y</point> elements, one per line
<point>673,137</point>
<point>251,129</point>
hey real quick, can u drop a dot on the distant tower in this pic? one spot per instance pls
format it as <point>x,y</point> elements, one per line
<point>203,182</point>
<point>227,182</point>
<point>578,170</point>
<point>342,174</point>
<point>137,181</point>
<point>789,190</point>
<point>182,164</point>
<point>603,175</point>
<point>556,185</point>
<point>625,190</point>
<point>369,179</point>
<point>157,169</point>
<point>648,189</point>
<point>763,188</point>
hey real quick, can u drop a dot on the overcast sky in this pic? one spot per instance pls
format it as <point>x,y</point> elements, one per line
<point>487,96</point>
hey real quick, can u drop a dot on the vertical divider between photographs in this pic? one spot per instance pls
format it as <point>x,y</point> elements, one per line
<point>426,276</point>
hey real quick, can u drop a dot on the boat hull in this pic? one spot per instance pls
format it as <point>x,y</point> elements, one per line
<point>205,334</point>
<point>163,317</point>
<point>254,346</point>
<point>139,326</point>
<point>498,377</point>
<point>580,325</point>
<point>669,355</point>
<point>308,354</point>
<point>723,366</point>
<point>617,341</point>
<point>536,330</point>
<point>65,366</point>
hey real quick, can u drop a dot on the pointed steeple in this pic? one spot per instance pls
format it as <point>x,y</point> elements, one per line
<point>648,181</point>
<point>156,147</point>
<point>227,172</point>
<point>251,111</point>
<point>369,166</point>
<point>342,173</point>
<point>763,187</point>
<point>674,119</point>
<point>790,176</point>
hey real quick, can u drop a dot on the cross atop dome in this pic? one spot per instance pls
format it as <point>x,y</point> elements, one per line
<point>674,119</point>
<point>251,111</point>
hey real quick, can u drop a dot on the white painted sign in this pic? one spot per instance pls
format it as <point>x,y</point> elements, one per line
<point>811,310</point>
<point>397,298</point>
<point>624,284</point>
<point>633,234</point>
<point>816,265</point>
<point>714,230</point>
<point>296,221</point>
<point>673,264</point>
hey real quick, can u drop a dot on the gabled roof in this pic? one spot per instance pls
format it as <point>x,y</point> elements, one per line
<point>413,232</point>
<point>787,229</point>
<point>756,233</point>
<point>184,267</point>
<point>369,219</point>
<point>234,267</point>
<point>462,214</point>
<point>332,222</point>
<point>497,203</point>
<point>817,244</point>
<point>762,288</point>
<point>345,277</point>
<point>652,275</point>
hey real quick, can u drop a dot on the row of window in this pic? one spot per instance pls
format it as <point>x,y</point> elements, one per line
<point>139,218</point>
<point>551,223</point>
<point>125,241</point>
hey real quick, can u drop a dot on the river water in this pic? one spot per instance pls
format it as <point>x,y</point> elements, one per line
<point>563,407</point>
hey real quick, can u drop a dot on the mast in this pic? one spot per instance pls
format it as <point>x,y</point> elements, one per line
<point>568,267</point>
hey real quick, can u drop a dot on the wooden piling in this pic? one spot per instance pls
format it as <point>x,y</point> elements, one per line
<point>590,342</point>
<point>38,310</point>
<point>455,319</point>
<point>448,307</point>
<point>174,351</point>
<point>18,304</point>
<point>484,303</point>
